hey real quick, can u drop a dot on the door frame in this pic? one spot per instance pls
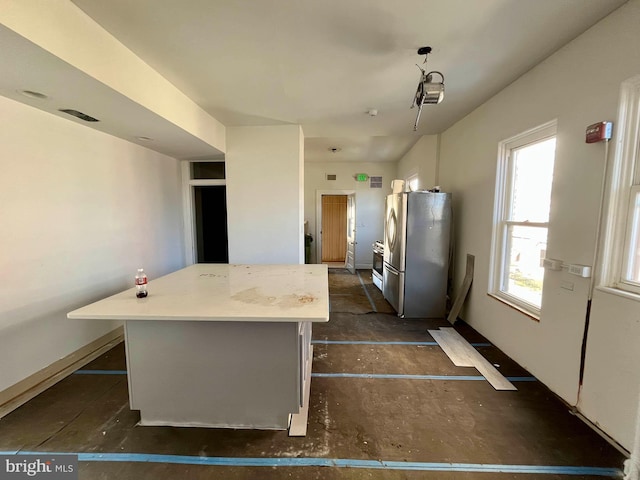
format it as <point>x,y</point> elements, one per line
<point>351,233</point>
<point>188,208</point>
<point>318,239</point>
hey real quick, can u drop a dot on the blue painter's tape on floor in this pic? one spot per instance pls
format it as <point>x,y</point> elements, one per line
<point>367,342</point>
<point>373,305</point>
<point>417,377</point>
<point>399,376</point>
<point>353,375</point>
<point>335,462</point>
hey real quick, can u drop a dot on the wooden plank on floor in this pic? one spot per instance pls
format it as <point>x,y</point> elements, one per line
<point>462,295</point>
<point>488,371</point>
<point>452,347</point>
<point>493,376</point>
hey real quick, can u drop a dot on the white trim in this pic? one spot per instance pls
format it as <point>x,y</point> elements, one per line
<point>318,239</point>
<point>28,388</point>
<point>409,178</point>
<point>626,156</point>
<point>620,293</point>
<point>513,223</point>
<point>352,234</point>
<point>632,229</point>
<point>190,250</point>
<point>517,303</point>
<point>187,209</point>
<point>207,183</point>
<point>214,158</point>
<point>499,238</point>
<point>496,256</point>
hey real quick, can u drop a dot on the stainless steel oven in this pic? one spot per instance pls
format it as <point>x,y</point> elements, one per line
<point>378,263</point>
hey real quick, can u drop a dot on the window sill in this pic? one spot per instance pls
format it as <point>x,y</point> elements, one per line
<point>526,313</point>
<point>620,293</point>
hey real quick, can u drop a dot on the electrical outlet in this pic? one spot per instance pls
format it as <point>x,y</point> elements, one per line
<point>583,271</point>
<point>552,264</point>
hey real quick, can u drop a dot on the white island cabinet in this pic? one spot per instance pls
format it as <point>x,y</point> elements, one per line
<point>221,345</point>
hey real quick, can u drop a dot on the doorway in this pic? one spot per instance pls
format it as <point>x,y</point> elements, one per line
<point>210,211</point>
<point>335,225</point>
<point>205,211</point>
<point>334,228</point>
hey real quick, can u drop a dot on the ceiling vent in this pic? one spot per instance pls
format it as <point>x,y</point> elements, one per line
<point>77,114</point>
<point>375,182</point>
<point>331,176</point>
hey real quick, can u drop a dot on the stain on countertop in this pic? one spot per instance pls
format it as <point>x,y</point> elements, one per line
<point>253,296</point>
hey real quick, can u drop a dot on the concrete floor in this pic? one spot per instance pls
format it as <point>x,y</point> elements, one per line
<point>366,424</point>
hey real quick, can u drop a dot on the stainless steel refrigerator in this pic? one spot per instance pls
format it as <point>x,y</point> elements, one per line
<point>417,235</point>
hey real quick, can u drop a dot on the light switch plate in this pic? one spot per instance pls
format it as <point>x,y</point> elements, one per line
<point>567,285</point>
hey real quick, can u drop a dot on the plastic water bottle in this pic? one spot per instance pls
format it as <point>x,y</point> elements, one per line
<point>141,284</point>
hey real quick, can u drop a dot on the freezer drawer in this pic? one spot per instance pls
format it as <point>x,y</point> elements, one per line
<point>393,288</point>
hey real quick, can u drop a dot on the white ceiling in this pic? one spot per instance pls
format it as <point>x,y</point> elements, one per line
<point>23,65</point>
<point>324,63</point>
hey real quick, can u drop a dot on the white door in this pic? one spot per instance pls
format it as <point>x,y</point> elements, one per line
<point>350,262</point>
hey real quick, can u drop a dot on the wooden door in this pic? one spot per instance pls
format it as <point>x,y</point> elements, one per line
<point>334,228</point>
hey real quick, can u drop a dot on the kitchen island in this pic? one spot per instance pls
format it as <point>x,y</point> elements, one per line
<point>217,345</point>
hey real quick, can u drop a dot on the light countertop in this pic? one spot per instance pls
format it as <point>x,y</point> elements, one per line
<point>222,292</point>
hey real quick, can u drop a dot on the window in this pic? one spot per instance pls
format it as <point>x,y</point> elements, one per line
<point>207,170</point>
<point>621,268</point>
<point>412,183</point>
<point>521,219</point>
<point>631,267</point>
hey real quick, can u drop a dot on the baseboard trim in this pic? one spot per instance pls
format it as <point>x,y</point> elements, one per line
<point>23,391</point>
<point>614,443</point>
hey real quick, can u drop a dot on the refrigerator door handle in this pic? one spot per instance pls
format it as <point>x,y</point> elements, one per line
<point>391,270</point>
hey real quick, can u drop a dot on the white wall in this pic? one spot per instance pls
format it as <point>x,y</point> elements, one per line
<point>264,170</point>
<point>369,201</point>
<point>81,210</point>
<point>422,160</point>
<point>565,87</point>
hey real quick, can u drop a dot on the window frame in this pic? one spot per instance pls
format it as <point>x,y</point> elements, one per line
<point>623,186</point>
<point>411,178</point>
<point>500,245</point>
<point>624,282</point>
